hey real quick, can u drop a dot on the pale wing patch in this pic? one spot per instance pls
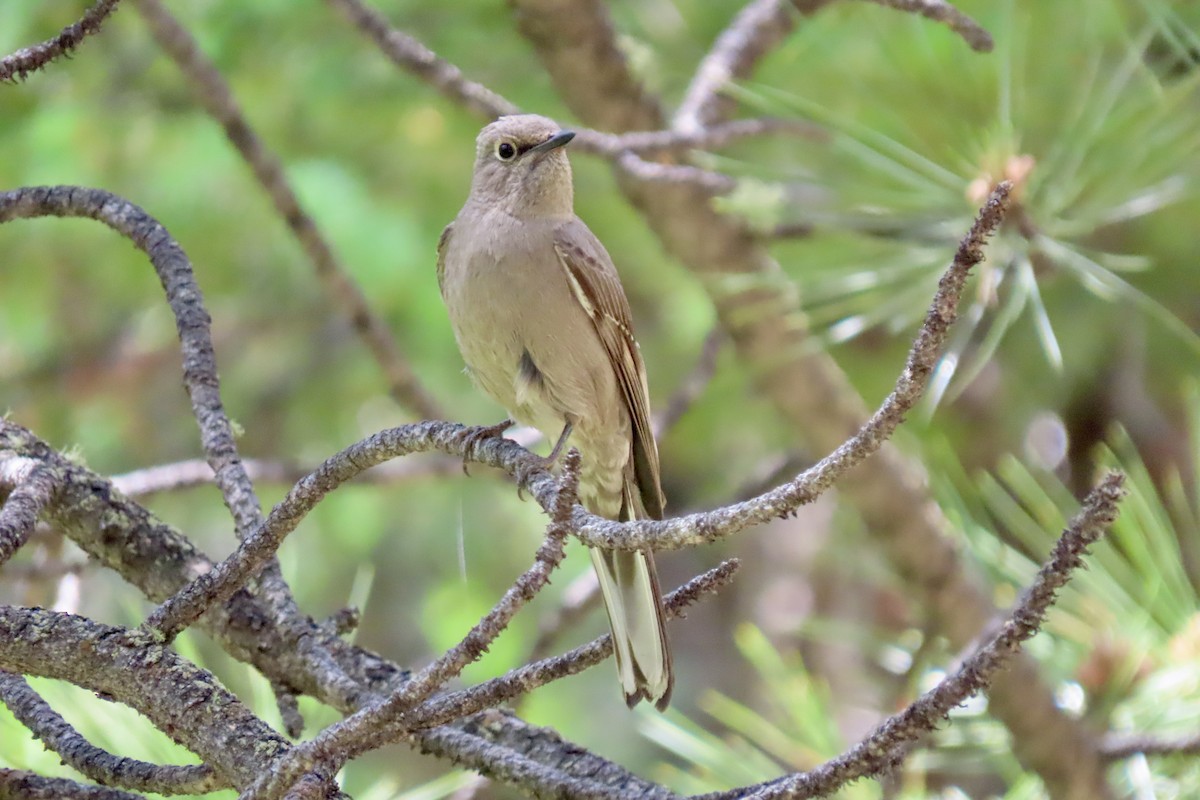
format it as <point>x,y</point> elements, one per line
<point>573,281</point>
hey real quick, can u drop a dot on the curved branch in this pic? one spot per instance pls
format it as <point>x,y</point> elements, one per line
<point>33,487</point>
<point>85,758</point>
<point>18,65</point>
<point>753,33</point>
<point>179,698</point>
<point>715,137</point>
<point>971,31</point>
<point>359,732</point>
<point>152,556</point>
<point>16,784</point>
<point>191,320</point>
<point>889,743</point>
<point>214,94</point>
<point>260,546</point>
<point>491,693</point>
<point>412,56</point>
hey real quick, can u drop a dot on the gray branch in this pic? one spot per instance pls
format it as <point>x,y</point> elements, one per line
<point>887,745</point>
<point>180,699</point>
<point>18,65</point>
<point>101,766</point>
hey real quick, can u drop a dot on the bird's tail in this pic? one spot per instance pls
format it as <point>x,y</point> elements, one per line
<point>629,585</point>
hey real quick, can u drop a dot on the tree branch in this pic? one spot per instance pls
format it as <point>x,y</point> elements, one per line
<point>217,99</point>
<point>520,681</point>
<point>16,784</point>
<point>32,489</point>
<point>180,699</point>
<point>359,733</point>
<point>152,556</point>
<point>18,65</point>
<point>713,138</point>
<point>754,32</point>
<point>941,11</point>
<point>1117,746</point>
<point>99,765</point>
<point>191,320</point>
<point>889,743</point>
<point>195,472</point>
<point>412,56</point>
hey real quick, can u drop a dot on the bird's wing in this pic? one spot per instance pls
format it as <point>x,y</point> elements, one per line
<point>595,284</point>
<point>443,240</point>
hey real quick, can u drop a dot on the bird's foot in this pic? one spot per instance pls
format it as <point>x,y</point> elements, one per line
<point>547,463</point>
<point>528,466</point>
<point>476,436</point>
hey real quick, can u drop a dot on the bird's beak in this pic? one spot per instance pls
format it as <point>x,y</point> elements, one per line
<point>554,142</point>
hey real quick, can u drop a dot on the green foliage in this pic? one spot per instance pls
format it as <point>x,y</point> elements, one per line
<point>1104,99</point>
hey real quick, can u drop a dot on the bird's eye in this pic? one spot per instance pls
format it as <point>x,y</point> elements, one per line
<point>505,151</point>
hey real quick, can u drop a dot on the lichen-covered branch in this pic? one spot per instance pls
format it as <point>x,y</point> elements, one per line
<point>101,766</point>
<point>16,784</point>
<point>125,537</point>
<point>359,733</point>
<point>29,487</point>
<point>18,65</point>
<point>193,473</point>
<point>191,320</point>
<point>182,700</point>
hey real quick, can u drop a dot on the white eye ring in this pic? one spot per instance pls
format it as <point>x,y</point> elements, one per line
<point>505,151</point>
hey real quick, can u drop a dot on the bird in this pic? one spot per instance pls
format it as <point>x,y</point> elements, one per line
<point>545,329</point>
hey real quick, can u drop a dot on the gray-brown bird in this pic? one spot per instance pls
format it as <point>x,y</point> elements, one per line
<point>545,329</point>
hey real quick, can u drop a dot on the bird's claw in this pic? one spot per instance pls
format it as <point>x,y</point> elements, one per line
<point>529,466</point>
<point>476,436</point>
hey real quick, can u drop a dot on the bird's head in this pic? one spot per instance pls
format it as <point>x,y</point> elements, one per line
<point>520,167</point>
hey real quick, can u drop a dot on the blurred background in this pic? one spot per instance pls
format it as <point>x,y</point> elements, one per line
<point>1078,348</point>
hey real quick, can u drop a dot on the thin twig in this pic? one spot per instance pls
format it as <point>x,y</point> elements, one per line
<point>18,65</point>
<point>215,95</point>
<point>1116,746</point>
<point>579,598</point>
<point>99,765</point>
<point>882,749</point>
<point>191,320</point>
<point>657,172</point>
<point>33,487</point>
<point>195,472</point>
<point>714,138</point>
<point>489,694</point>
<point>971,31</point>
<point>409,54</point>
<point>16,784</point>
<point>360,732</point>
<point>708,526</point>
<point>756,29</point>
